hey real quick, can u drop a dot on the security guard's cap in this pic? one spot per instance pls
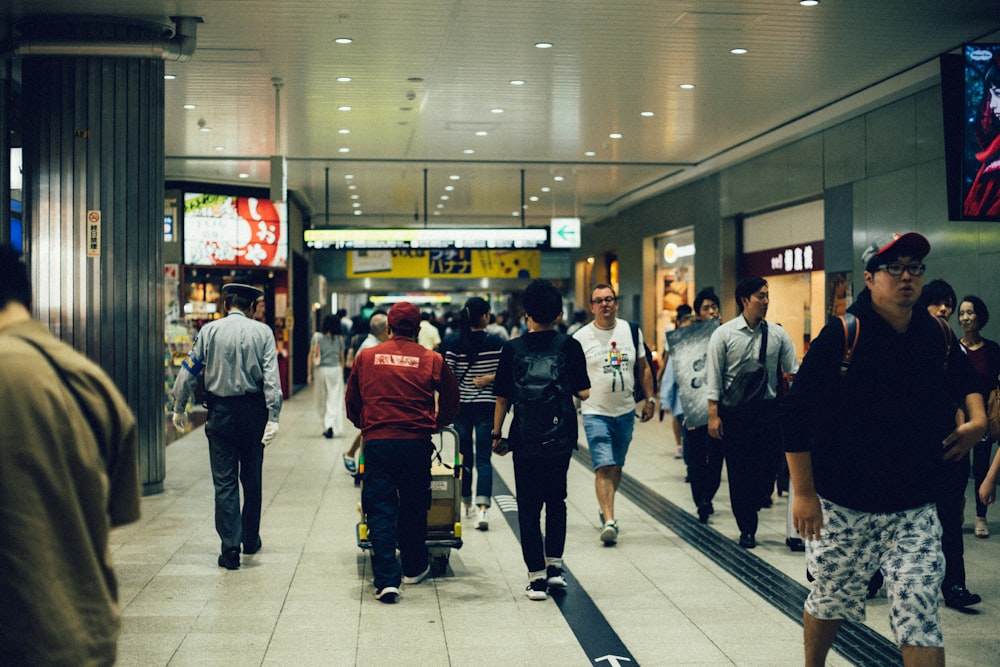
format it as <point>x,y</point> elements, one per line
<point>248,292</point>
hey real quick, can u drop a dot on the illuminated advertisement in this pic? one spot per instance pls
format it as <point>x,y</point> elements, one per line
<point>444,263</point>
<point>221,230</point>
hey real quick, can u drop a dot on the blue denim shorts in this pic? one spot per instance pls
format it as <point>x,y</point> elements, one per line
<point>608,438</point>
<point>905,545</point>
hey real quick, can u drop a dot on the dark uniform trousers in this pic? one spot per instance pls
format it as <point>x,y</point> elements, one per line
<point>234,429</point>
<point>396,496</point>
<point>703,456</point>
<point>752,458</point>
<point>950,493</point>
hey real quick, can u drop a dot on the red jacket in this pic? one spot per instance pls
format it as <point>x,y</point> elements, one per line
<point>391,391</point>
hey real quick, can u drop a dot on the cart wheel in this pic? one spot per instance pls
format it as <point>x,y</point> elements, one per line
<point>439,565</point>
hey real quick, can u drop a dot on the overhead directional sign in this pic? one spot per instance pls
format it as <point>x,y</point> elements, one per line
<point>389,239</point>
<point>564,233</point>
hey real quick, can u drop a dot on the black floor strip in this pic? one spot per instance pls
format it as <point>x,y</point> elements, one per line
<point>596,636</point>
<point>855,642</point>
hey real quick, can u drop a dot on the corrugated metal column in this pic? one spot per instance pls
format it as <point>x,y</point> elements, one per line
<point>93,146</point>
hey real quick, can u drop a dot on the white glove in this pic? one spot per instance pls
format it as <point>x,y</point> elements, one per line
<point>270,431</point>
<point>180,421</point>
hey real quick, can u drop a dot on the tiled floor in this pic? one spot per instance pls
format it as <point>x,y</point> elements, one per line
<point>306,598</point>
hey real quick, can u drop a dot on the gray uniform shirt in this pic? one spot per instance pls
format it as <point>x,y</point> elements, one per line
<point>238,357</point>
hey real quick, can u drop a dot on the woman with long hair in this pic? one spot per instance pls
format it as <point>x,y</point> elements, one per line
<point>326,362</point>
<point>473,356</point>
<point>984,195</point>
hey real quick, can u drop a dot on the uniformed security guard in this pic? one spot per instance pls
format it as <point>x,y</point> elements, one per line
<point>240,362</point>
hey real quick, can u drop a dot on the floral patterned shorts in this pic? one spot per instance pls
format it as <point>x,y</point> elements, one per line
<point>905,545</point>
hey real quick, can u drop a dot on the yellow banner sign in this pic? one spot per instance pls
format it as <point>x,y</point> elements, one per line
<point>444,263</point>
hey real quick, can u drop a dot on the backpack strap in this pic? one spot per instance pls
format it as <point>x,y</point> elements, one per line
<point>852,329</point>
<point>946,332</point>
<point>634,328</point>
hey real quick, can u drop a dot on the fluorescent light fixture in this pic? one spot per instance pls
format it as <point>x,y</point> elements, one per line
<point>351,239</point>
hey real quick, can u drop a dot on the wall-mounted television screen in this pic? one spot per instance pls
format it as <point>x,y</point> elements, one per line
<point>970,88</point>
<point>223,230</point>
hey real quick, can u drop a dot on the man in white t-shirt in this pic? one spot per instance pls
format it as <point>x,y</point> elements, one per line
<point>428,334</point>
<point>609,414</point>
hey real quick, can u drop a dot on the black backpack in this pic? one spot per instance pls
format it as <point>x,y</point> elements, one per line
<point>544,414</point>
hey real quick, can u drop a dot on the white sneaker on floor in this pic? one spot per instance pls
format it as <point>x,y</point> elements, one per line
<point>609,534</point>
<point>982,530</point>
<point>482,520</point>
<point>536,589</point>
<point>389,594</point>
<point>418,578</point>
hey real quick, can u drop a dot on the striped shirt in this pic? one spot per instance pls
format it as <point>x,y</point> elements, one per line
<point>470,356</point>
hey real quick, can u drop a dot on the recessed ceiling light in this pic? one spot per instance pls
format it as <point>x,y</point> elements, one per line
<point>481,133</point>
<point>344,79</point>
<point>244,175</point>
<point>590,153</point>
<point>546,189</point>
<point>496,110</point>
<point>357,211</point>
<point>352,186</point>
<point>344,149</point>
<point>455,177</point>
<point>343,108</point>
<point>204,128</point>
<point>355,196</point>
<point>687,86</point>
<point>647,114</point>
<point>517,82</point>
<point>343,40</point>
<point>220,148</point>
<point>615,135</point>
<point>440,206</point>
<point>468,151</point>
<point>190,106</point>
<point>533,198</point>
<point>543,45</point>
<point>515,213</point>
<point>444,197</point>
<point>348,176</point>
<point>738,51</point>
<point>343,131</point>
<point>449,188</point>
<point>356,205</point>
<point>169,77</point>
<point>559,179</point>
<point>808,3</point>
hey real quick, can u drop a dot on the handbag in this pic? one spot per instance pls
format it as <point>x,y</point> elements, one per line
<point>750,383</point>
<point>993,413</point>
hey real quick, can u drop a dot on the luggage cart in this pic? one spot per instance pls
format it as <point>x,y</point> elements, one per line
<point>444,518</point>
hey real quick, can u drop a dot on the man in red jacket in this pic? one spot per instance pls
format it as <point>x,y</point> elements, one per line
<point>399,394</point>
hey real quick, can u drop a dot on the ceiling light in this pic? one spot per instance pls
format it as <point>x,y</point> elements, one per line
<point>449,188</point>
<point>343,40</point>
<point>558,179</point>
<point>468,151</point>
<point>615,135</point>
<point>496,110</point>
<point>169,77</point>
<point>543,45</point>
<point>546,189</point>
<point>343,131</point>
<point>357,211</point>
<point>204,128</point>
<point>244,175</point>
<point>515,214</point>
<point>344,149</point>
<point>445,197</point>
<point>356,205</point>
<point>533,198</point>
<point>455,177</point>
<point>352,186</point>
<point>590,153</point>
<point>517,82</point>
<point>344,79</point>
<point>343,108</point>
<point>738,51</point>
<point>687,86</point>
<point>647,114</point>
<point>355,196</point>
<point>481,133</point>
<point>190,106</point>
<point>348,176</point>
<point>220,148</point>
<point>440,206</point>
<point>808,3</point>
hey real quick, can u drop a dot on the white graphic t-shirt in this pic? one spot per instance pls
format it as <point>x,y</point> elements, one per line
<point>610,364</point>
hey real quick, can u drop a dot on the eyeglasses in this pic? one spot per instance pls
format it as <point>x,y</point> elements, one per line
<point>915,269</point>
<point>607,299</point>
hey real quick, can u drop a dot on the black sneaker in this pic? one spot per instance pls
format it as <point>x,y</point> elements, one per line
<point>554,577</point>
<point>230,559</point>
<point>388,595</point>
<point>536,589</point>
<point>958,597</point>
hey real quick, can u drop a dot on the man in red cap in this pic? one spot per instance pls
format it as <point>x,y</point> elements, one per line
<point>399,394</point>
<point>865,438</point>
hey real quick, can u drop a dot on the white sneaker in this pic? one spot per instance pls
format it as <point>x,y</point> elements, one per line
<point>536,589</point>
<point>412,581</point>
<point>609,534</point>
<point>483,520</point>
<point>555,578</point>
